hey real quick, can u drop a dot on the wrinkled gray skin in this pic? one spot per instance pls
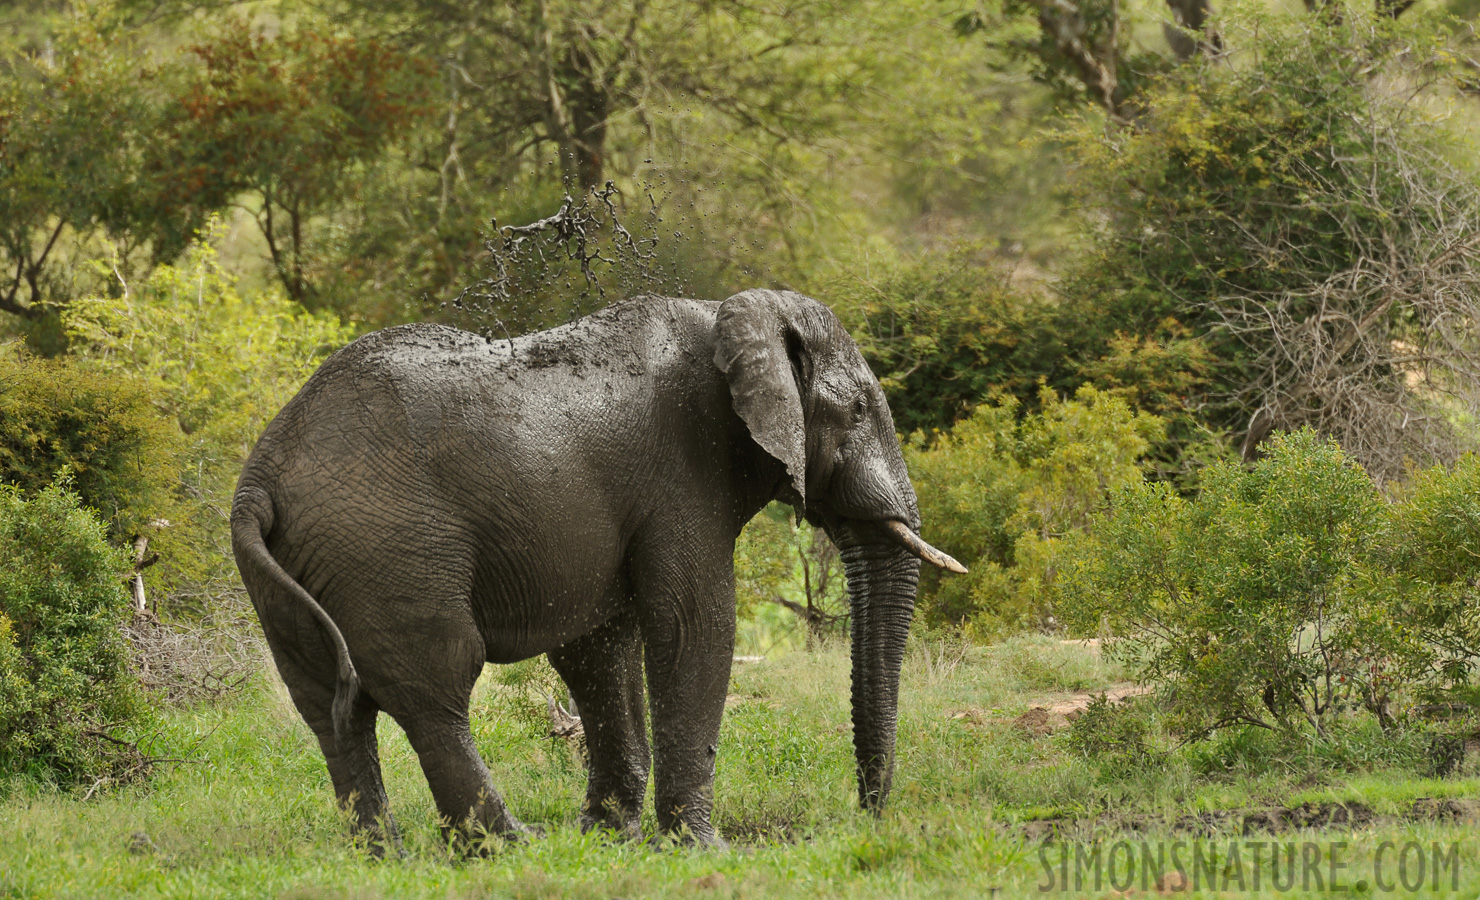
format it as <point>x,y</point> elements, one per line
<point>432,501</point>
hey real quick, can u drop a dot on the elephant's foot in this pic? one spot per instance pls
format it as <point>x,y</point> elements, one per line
<point>624,820</point>
<point>707,838</point>
<point>624,827</point>
<point>474,839</point>
<point>379,842</point>
<point>372,827</point>
<point>683,835</point>
<point>689,826</point>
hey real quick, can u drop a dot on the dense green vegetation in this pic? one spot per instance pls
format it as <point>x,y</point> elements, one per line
<point>1175,307</point>
<point>64,663</point>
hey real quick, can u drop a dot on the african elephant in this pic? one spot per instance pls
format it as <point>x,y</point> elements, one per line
<point>432,501</point>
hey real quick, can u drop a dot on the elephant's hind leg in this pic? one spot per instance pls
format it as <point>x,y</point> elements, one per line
<point>430,701</point>
<point>354,767</point>
<point>603,670</point>
<point>353,758</point>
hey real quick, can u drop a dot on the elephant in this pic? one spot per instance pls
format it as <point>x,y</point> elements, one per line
<point>433,500</point>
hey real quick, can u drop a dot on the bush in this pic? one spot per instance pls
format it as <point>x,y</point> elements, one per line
<point>1118,737</point>
<point>220,364</point>
<point>1260,601</point>
<point>944,331</point>
<point>1001,493</point>
<point>56,416</point>
<point>65,680</point>
<point>1434,543</point>
<point>949,330</point>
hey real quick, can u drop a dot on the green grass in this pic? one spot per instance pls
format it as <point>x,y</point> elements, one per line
<point>252,814</point>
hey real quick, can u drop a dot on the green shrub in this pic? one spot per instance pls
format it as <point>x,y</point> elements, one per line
<point>57,416</point>
<point>947,330</point>
<point>1002,493</point>
<point>64,670</point>
<point>1115,736</point>
<point>220,363</point>
<point>1259,602</point>
<point>944,331</point>
<point>1434,542</point>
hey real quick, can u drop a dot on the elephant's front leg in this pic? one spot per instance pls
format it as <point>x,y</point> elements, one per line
<point>686,596</point>
<point>603,670</point>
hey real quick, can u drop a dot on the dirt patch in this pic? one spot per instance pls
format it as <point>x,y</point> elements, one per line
<point>711,882</point>
<point>1090,644</point>
<point>1119,693</point>
<point>1432,809</point>
<point>1246,822</point>
<point>1051,715</point>
<point>1307,815</point>
<point>1038,721</point>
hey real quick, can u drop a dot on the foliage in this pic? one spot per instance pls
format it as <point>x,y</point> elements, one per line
<point>944,332</point>
<point>64,665</point>
<point>74,120</point>
<point>1303,214</point>
<point>220,363</point>
<point>788,562</point>
<point>947,330</point>
<point>288,120</point>
<point>102,431</point>
<point>1116,736</point>
<point>1002,493</point>
<point>1256,602</point>
<point>1433,540</point>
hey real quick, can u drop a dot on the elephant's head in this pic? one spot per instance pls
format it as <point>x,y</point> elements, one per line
<point>809,400</point>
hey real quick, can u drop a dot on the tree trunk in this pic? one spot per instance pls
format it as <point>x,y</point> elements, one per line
<point>589,104</point>
<point>136,581</point>
<point>1192,16</point>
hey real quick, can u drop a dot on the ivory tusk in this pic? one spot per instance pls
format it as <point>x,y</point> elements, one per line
<point>913,543</point>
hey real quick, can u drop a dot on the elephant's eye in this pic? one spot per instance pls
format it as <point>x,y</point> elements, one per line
<point>860,408</point>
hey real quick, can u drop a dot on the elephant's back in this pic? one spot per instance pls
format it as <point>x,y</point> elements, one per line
<point>391,419</point>
<point>343,463</point>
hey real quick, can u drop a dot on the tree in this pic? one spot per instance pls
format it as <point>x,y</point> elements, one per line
<point>288,121</point>
<point>740,120</point>
<point>74,119</point>
<point>1083,50</point>
<point>569,75</point>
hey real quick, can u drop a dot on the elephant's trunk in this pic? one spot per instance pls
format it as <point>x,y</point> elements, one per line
<point>881,587</point>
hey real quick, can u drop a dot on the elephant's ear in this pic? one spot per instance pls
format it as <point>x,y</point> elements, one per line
<point>755,345</point>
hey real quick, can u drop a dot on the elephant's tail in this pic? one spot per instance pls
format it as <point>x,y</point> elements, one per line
<point>251,518</point>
